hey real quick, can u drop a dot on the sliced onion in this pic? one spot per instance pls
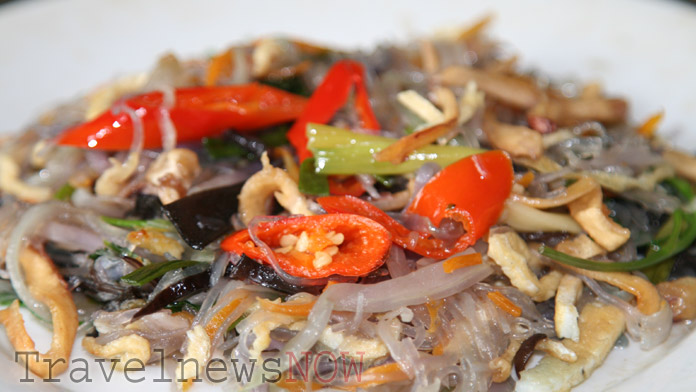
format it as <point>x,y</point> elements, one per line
<point>397,264</point>
<point>29,224</point>
<point>426,284</point>
<point>368,183</point>
<point>423,175</point>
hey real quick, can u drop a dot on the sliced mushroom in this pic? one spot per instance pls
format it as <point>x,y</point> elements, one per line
<point>517,140</point>
<point>268,182</point>
<point>112,181</point>
<point>515,91</point>
<point>48,287</point>
<point>528,219</point>
<point>11,183</point>
<point>576,190</point>
<point>172,174</point>
<point>683,163</point>
<point>681,296</point>
<point>588,211</point>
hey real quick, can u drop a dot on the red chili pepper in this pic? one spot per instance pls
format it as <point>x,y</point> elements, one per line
<point>197,112</point>
<point>420,243</point>
<point>331,95</point>
<point>472,191</point>
<point>363,249</point>
<point>348,186</point>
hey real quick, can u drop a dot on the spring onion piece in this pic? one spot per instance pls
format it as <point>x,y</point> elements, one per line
<point>681,188</point>
<point>116,249</point>
<point>312,183</point>
<point>138,224</point>
<point>339,151</point>
<point>63,193</point>
<point>148,273</point>
<point>662,250</point>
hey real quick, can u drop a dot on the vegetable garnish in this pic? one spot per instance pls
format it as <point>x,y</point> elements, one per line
<point>333,92</point>
<point>472,191</point>
<point>133,224</point>
<point>339,151</point>
<point>184,288</point>
<point>454,263</point>
<point>312,183</point>
<point>150,272</point>
<point>197,112</point>
<point>317,246</point>
<point>247,269</point>
<point>504,303</point>
<point>203,217</point>
<point>63,193</point>
<point>679,239</point>
<point>292,308</point>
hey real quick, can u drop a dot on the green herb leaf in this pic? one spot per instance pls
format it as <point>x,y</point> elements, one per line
<point>135,224</point>
<point>312,183</point>
<point>7,298</point>
<point>681,188</point>
<point>275,136</point>
<point>64,192</point>
<point>293,84</point>
<point>680,237</point>
<point>222,149</point>
<point>116,250</point>
<point>144,275</point>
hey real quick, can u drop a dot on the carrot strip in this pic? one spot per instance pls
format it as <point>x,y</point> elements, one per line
<point>220,65</point>
<point>216,321</point>
<point>290,308</point>
<point>504,303</point>
<point>526,179</point>
<point>455,263</point>
<point>649,127</point>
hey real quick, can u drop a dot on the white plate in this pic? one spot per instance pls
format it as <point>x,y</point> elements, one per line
<point>52,50</point>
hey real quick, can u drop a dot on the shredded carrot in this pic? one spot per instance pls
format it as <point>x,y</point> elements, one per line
<point>439,349</point>
<point>526,179</point>
<point>220,65</point>
<point>435,321</point>
<point>504,303</point>
<point>476,28</point>
<point>649,127</point>
<point>292,308</point>
<point>216,321</point>
<point>455,263</point>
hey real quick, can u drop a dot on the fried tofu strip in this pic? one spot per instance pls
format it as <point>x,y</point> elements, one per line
<point>48,287</point>
<point>600,326</point>
<point>511,253</point>
<point>588,212</point>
